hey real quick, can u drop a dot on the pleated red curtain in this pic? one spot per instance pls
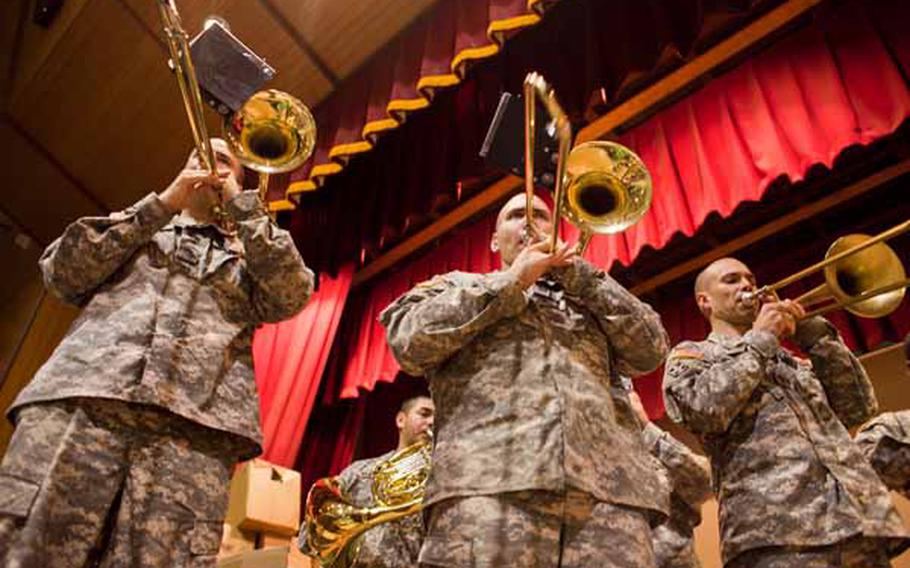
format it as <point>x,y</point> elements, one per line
<point>289,358</point>
<point>836,83</point>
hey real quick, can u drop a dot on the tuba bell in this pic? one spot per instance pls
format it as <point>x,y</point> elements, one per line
<point>334,527</point>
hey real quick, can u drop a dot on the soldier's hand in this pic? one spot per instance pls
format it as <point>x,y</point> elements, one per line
<point>535,260</point>
<point>778,318</point>
<point>178,194</point>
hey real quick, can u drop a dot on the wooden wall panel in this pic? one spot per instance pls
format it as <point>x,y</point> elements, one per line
<point>35,192</point>
<point>106,107</point>
<point>254,25</point>
<point>345,33</point>
<point>50,325</point>
<point>38,43</point>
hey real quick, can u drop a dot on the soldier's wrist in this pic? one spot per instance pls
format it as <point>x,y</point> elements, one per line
<point>763,342</point>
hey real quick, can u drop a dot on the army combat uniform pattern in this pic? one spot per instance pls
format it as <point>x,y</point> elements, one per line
<point>787,474</point>
<point>157,366</point>
<point>521,380</point>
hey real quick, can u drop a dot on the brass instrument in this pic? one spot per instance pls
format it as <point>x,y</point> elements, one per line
<point>334,526</point>
<point>601,187</point>
<point>862,275</point>
<point>272,132</point>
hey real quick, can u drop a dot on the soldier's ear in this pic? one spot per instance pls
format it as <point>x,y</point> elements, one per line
<point>704,304</point>
<point>400,419</point>
<point>494,243</point>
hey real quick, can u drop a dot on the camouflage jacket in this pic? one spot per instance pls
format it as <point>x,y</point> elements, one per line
<point>393,544</point>
<point>169,310</point>
<point>522,383</point>
<point>885,441</point>
<point>689,478</point>
<point>785,469</point>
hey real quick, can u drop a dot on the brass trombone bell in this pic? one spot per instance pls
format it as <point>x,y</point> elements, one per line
<point>855,276</point>
<point>273,132</point>
<point>601,187</point>
<point>862,275</point>
<point>608,188</point>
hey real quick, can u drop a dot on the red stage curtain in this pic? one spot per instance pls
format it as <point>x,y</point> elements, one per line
<point>835,83</point>
<point>433,53</point>
<point>330,440</point>
<point>289,358</point>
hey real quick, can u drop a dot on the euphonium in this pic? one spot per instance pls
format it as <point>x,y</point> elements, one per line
<point>334,526</point>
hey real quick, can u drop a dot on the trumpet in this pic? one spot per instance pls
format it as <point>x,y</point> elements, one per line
<point>862,275</point>
<point>601,187</point>
<point>272,132</point>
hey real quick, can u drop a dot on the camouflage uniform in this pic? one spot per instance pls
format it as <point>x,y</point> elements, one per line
<point>394,544</point>
<point>169,310</point>
<point>885,441</point>
<point>521,380</point>
<point>689,478</point>
<point>787,474</point>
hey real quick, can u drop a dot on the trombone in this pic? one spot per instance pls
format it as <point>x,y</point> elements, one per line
<point>862,275</point>
<point>600,187</point>
<point>272,132</point>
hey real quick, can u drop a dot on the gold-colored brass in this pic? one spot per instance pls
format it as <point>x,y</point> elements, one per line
<point>273,132</point>
<point>334,526</point>
<point>600,187</point>
<point>862,275</point>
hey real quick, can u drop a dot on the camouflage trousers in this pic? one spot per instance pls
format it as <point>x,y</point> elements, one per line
<point>536,529</point>
<point>91,482</point>
<point>857,552</point>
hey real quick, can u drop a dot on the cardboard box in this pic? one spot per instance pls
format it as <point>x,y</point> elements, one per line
<point>266,558</point>
<point>234,541</point>
<point>274,557</point>
<point>265,498</point>
<point>267,540</point>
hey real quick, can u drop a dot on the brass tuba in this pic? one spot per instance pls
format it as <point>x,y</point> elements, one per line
<point>334,526</point>
<point>600,187</point>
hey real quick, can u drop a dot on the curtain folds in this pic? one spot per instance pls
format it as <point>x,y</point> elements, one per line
<point>289,358</point>
<point>432,54</point>
<point>835,83</point>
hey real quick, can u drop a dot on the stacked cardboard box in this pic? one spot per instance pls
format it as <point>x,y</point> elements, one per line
<point>263,519</point>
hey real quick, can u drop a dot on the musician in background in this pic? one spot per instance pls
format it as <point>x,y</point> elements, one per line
<point>688,478</point>
<point>885,441</point>
<point>125,439</point>
<point>531,466</point>
<point>396,543</point>
<point>793,489</point>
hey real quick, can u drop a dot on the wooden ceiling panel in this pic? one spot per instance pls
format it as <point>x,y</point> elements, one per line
<point>37,195</point>
<point>10,15</point>
<point>37,42</point>
<point>254,25</point>
<point>345,33</point>
<point>105,105</point>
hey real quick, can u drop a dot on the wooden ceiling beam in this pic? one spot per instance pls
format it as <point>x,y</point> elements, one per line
<point>647,99</point>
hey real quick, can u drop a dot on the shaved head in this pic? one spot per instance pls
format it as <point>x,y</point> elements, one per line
<point>719,291</point>
<point>511,235</point>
